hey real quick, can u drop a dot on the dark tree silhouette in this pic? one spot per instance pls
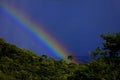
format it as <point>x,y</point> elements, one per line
<point>70,57</point>
<point>111,46</point>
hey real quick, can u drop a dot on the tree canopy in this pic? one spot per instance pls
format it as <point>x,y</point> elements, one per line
<point>23,64</point>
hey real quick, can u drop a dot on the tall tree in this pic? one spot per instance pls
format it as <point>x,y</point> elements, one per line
<point>111,45</point>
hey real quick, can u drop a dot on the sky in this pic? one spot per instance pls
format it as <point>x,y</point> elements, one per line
<point>75,24</point>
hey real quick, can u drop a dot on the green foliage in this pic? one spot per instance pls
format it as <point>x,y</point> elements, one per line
<point>108,62</point>
<point>22,64</point>
<point>5,77</point>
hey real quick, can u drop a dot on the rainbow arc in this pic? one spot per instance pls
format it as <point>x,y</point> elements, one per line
<point>37,31</point>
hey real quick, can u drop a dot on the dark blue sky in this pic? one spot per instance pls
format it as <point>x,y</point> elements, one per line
<point>76,24</point>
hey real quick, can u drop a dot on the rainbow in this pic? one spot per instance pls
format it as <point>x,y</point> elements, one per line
<point>37,31</point>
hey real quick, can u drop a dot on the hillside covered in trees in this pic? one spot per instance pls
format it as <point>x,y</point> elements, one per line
<point>22,64</point>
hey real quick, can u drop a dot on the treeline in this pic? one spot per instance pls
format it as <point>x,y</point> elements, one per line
<point>22,64</point>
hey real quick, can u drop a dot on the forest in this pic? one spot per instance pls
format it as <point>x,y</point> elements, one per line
<point>23,64</point>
